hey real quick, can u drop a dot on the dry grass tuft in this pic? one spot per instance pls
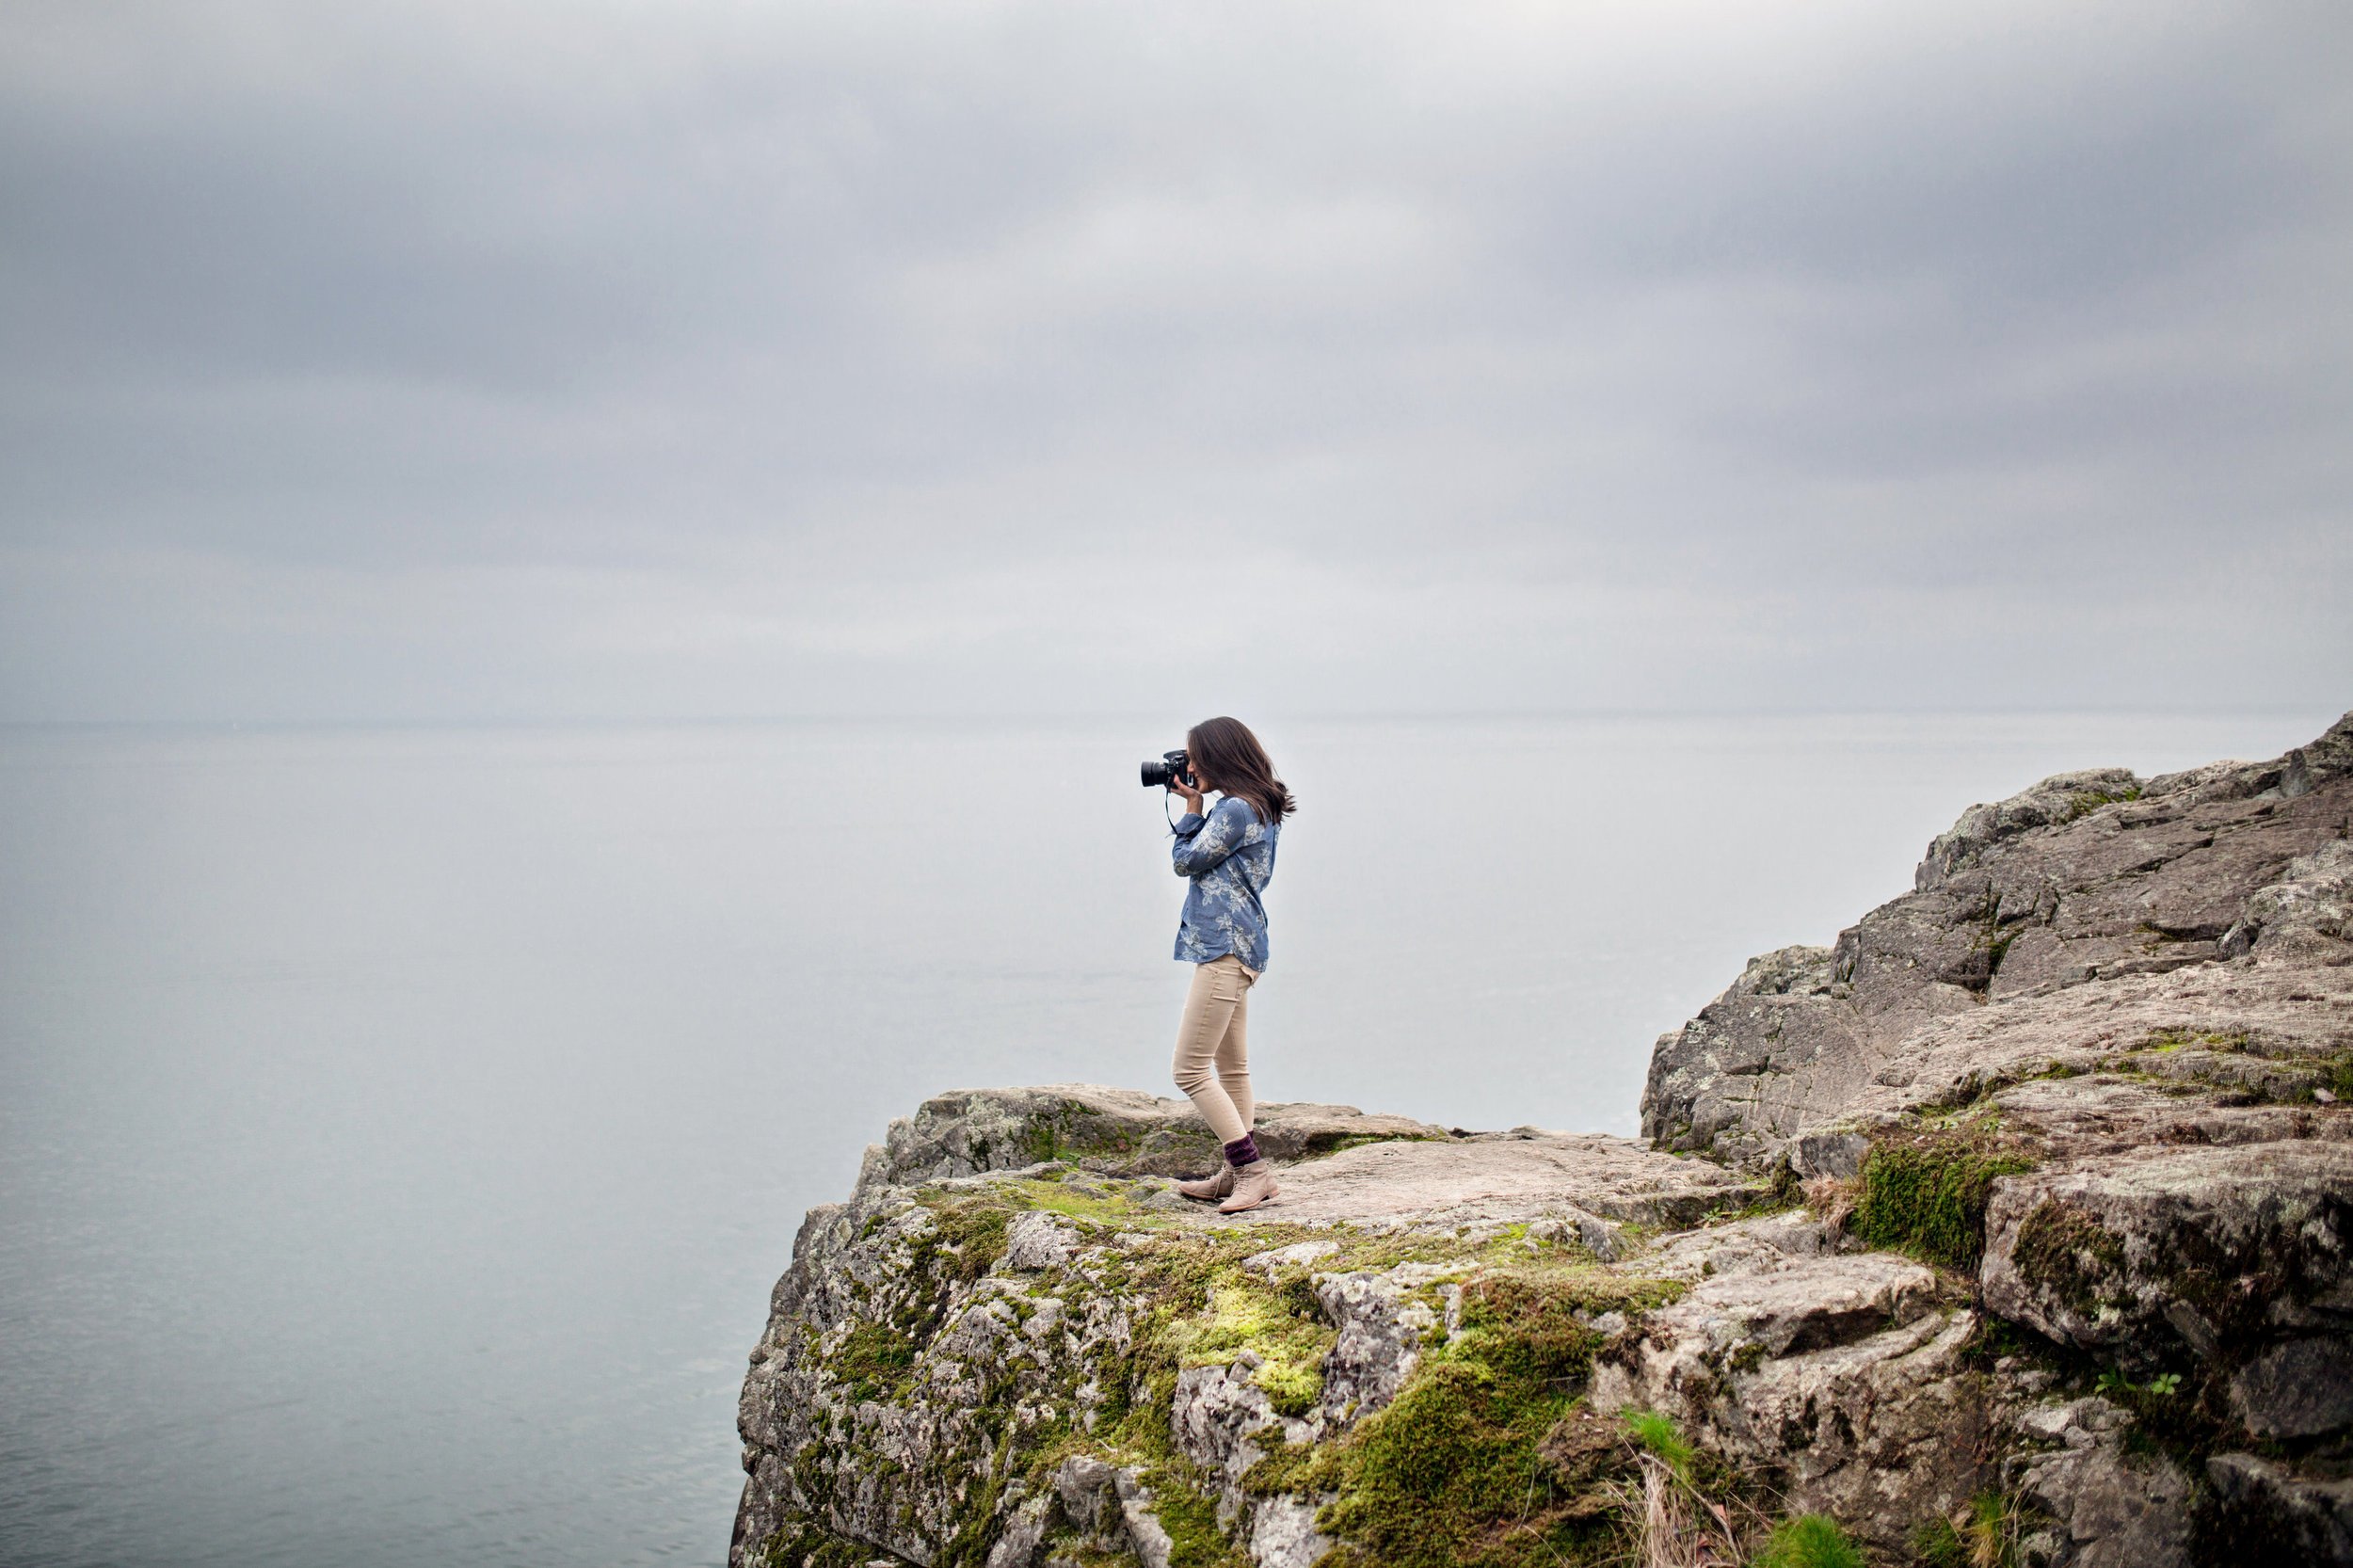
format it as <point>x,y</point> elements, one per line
<point>1677,1526</point>
<point>1831,1198</point>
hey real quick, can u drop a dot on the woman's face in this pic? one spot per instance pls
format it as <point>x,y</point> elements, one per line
<point>1200,774</point>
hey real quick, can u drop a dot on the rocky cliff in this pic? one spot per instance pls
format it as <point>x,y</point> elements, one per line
<point>2014,1227</point>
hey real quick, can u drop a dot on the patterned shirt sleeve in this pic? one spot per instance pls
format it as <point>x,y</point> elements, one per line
<point>1202,845</point>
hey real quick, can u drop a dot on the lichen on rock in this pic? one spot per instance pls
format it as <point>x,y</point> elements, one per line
<point>1033,1365</point>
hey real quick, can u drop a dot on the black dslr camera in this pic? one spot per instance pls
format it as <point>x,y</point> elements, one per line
<point>1173,768</point>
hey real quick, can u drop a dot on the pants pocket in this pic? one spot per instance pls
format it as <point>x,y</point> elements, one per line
<point>1234,980</point>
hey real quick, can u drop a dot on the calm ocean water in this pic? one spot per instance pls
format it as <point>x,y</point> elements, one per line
<point>400,1131</point>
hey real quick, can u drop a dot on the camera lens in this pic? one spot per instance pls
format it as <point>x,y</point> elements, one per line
<point>1157,776</point>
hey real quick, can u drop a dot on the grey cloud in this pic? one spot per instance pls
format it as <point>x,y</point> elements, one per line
<point>513,360</point>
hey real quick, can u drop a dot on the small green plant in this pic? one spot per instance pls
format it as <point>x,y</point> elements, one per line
<point>1993,1532</point>
<point>1658,1434</point>
<point>2163,1386</point>
<point>1986,1536</point>
<point>1937,1545</point>
<point>1809,1540</point>
<point>1679,1505</point>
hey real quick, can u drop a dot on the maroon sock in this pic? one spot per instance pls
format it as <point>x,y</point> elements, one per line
<point>1243,1151</point>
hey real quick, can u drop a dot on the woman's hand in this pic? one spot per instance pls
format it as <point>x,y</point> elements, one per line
<point>1191,793</point>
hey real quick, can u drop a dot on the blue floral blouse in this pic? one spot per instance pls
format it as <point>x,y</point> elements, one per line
<point>1229,854</point>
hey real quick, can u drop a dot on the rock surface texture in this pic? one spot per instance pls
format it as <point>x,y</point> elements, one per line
<point>2016,1226</point>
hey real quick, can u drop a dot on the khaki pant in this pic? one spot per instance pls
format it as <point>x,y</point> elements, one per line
<point>1214,1035</point>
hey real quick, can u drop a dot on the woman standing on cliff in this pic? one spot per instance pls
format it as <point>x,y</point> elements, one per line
<point>1229,853</point>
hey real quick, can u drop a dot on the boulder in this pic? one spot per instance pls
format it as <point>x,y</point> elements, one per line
<point>2086,877</point>
<point>2264,1512</point>
<point>2164,1257</point>
<point>2295,1389</point>
<point>1842,1376</point>
<point>2307,913</point>
<point>2112,1510</point>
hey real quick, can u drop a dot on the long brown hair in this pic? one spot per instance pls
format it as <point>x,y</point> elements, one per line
<point>1226,755</point>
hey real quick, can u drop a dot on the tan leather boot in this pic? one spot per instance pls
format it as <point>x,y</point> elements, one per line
<point>1209,1188</point>
<point>1253,1184</point>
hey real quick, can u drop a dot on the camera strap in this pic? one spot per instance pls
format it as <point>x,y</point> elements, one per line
<point>1167,803</point>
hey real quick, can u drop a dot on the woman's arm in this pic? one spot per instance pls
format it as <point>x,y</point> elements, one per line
<point>1201,849</point>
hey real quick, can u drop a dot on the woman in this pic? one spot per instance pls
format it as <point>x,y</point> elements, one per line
<point>1228,853</point>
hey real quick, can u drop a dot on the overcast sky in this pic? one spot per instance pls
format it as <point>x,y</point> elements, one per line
<point>500,359</point>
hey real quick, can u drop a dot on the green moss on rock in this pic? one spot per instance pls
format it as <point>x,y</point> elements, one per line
<point>1453,1471</point>
<point>2069,1257</point>
<point>802,1545</point>
<point>1075,1130</point>
<point>2174,1039</point>
<point>1486,1456</point>
<point>966,1236</point>
<point>1285,1332</point>
<point>876,1361</point>
<point>1923,1191</point>
<point>1809,1540</point>
<point>2084,802</point>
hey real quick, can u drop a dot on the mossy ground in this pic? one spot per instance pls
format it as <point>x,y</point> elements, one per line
<point>874,1360</point>
<point>2175,1039</point>
<point>1486,1457</point>
<point>2243,1067</point>
<point>1075,1132</point>
<point>1924,1188</point>
<point>1477,1460</point>
<point>1282,1327</point>
<point>1324,1145</point>
<point>803,1544</point>
<point>967,1238</point>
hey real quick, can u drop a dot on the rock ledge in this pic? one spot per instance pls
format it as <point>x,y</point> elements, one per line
<point>2019,1219</point>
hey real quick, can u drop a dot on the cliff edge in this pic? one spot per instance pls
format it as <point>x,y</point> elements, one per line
<point>2014,1227</point>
